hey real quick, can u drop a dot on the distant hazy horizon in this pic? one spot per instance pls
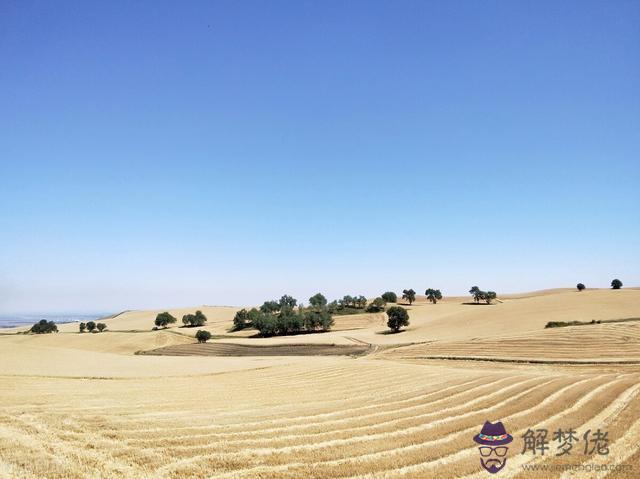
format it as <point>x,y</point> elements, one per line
<point>156,155</point>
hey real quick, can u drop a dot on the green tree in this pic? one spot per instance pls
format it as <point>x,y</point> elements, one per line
<point>376,306</point>
<point>409,295</point>
<point>616,284</point>
<point>318,301</point>
<point>91,326</point>
<point>203,336</point>
<point>390,297</point>
<point>163,320</point>
<point>476,293</point>
<point>187,319</point>
<point>433,295</point>
<point>398,317</point>
<point>82,327</point>
<point>101,326</point>
<point>580,286</point>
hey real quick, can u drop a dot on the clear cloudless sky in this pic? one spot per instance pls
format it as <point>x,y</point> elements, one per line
<point>158,154</point>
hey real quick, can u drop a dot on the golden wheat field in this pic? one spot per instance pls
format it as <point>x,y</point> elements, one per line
<point>351,403</point>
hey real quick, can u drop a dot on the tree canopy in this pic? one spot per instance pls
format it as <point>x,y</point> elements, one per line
<point>580,286</point>
<point>616,284</point>
<point>163,320</point>
<point>390,297</point>
<point>203,336</point>
<point>433,295</point>
<point>409,295</point>
<point>398,317</point>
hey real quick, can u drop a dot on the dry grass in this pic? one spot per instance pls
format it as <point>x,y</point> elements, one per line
<point>75,406</point>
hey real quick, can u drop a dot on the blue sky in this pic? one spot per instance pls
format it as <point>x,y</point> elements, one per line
<point>157,154</point>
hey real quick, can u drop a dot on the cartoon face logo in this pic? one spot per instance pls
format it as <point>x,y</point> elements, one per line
<point>493,450</point>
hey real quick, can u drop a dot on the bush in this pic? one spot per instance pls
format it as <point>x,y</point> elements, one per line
<point>91,326</point>
<point>409,295</point>
<point>580,286</point>
<point>398,317</point>
<point>376,306</point>
<point>101,326</point>
<point>44,327</point>
<point>203,336</point>
<point>163,320</point>
<point>82,327</point>
<point>389,297</point>
<point>616,284</point>
<point>433,295</point>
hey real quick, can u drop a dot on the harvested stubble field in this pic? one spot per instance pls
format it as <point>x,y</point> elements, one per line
<point>386,414</point>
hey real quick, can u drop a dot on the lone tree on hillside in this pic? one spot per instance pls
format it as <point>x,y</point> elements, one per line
<point>580,286</point>
<point>616,284</point>
<point>433,295</point>
<point>390,297</point>
<point>44,327</point>
<point>318,301</point>
<point>398,317</point>
<point>203,336</point>
<point>101,326</point>
<point>163,320</point>
<point>376,306</point>
<point>91,326</point>
<point>82,327</point>
<point>409,295</point>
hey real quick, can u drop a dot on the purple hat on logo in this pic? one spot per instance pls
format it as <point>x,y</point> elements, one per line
<point>493,435</point>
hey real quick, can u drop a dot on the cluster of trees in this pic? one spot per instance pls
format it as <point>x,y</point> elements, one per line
<point>44,327</point>
<point>92,327</point>
<point>283,317</point>
<point>192,320</point>
<point>479,295</point>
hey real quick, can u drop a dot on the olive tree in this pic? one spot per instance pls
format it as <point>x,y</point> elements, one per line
<point>433,295</point>
<point>398,317</point>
